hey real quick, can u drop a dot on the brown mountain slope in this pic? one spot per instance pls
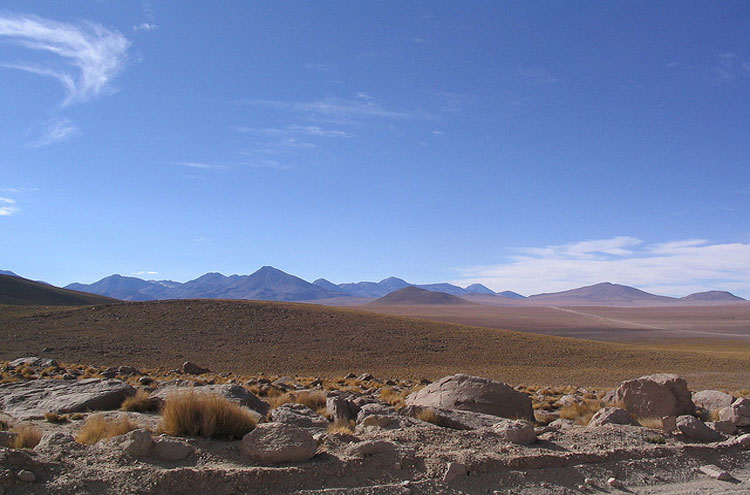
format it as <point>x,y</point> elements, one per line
<point>288,338</point>
<point>414,295</point>
<point>21,291</point>
<point>604,293</point>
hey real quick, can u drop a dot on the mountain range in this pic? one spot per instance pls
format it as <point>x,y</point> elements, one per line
<point>269,283</point>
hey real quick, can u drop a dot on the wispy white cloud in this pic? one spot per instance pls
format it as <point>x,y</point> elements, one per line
<point>307,130</point>
<point>56,131</point>
<point>361,106</point>
<point>145,26</point>
<point>538,76</point>
<point>728,68</point>
<point>320,67</point>
<point>671,268</point>
<point>7,207</point>
<point>146,272</point>
<point>200,165</point>
<point>89,55</point>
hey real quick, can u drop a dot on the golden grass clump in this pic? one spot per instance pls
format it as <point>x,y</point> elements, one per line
<point>99,427</point>
<point>77,416</point>
<point>428,416</point>
<point>653,422</point>
<point>277,400</point>
<point>580,412</point>
<point>140,402</point>
<point>28,437</point>
<point>314,400</point>
<point>341,426</point>
<point>205,415</point>
<point>55,418</point>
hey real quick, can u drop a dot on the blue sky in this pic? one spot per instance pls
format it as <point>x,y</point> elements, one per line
<point>530,146</point>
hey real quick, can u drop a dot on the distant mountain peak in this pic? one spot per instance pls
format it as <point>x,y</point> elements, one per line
<point>712,295</point>
<point>412,295</point>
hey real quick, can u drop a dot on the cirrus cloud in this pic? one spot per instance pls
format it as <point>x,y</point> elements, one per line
<point>88,56</point>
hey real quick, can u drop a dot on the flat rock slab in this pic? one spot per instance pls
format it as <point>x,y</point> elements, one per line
<point>32,399</point>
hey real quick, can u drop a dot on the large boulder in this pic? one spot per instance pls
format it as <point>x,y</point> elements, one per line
<point>473,393</point>
<point>32,399</point>
<point>738,412</point>
<point>712,400</point>
<point>278,442</point>
<point>696,430</point>
<point>234,393</point>
<point>298,415</point>
<point>341,408</point>
<point>654,396</point>
<point>515,431</point>
<point>452,418</point>
<point>612,416</point>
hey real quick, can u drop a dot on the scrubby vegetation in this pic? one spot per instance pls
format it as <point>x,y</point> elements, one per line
<point>28,437</point>
<point>99,427</point>
<point>205,415</point>
<point>140,402</point>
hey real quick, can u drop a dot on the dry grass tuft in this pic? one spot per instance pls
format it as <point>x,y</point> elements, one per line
<point>3,425</point>
<point>314,400</point>
<point>205,415</point>
<point>98,427</point>
<point>428,416</point>
<point>581,412</point>
<point>28,437</point>
<point>77,416</point>
<point>55,418</point>
<point>341,426</point>
<point>653,422</point>
<point>140,402</point>
<point>278,400</point>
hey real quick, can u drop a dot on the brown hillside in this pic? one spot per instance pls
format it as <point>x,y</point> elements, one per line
<point>21,291</point>
<point>288,338</point>
<point>414,295</point>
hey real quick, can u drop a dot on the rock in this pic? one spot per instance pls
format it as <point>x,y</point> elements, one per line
<point>658,395</point>
<point>235,393</point>
<point>278,442</point>
<point>725,427</point>
<point>54,441</point>
<point>567,400</point>
<point>7,438</point>
<point>668,424</point>
<point>612,416</point>
<point>370,447</point>
<point>26,476</point>
<point>298,415</point>
<point>137,443</point>
<point>341,409</point>
<point>615,483</point>
<point>375,408</point>
<point>108,374</point>
<point>738,412</point>
<point>694,429</point>
<point>712,400</point>
<point>562,424</point>
<point>455,418</point>
<point>193,369</point>
<point>145,380</point>
<point>515,431</point>
<point>350,376</point>
<point>128,370</point>
<point>715,472</point>
<point>365,377</point>
<point>378,420</point>
<point>168,449</point>
<point>453,471</point>
<point>743,441</point>
<point>472,393</point>
<point>25,361</point>
<point>32,399</point>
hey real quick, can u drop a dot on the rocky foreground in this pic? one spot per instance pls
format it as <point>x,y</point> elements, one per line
<point>71,429</point>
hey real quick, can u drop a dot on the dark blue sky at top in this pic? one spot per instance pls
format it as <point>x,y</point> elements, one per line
<point>432,141</point>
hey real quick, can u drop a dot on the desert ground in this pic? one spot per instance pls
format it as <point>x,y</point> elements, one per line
<point>287,338</point>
